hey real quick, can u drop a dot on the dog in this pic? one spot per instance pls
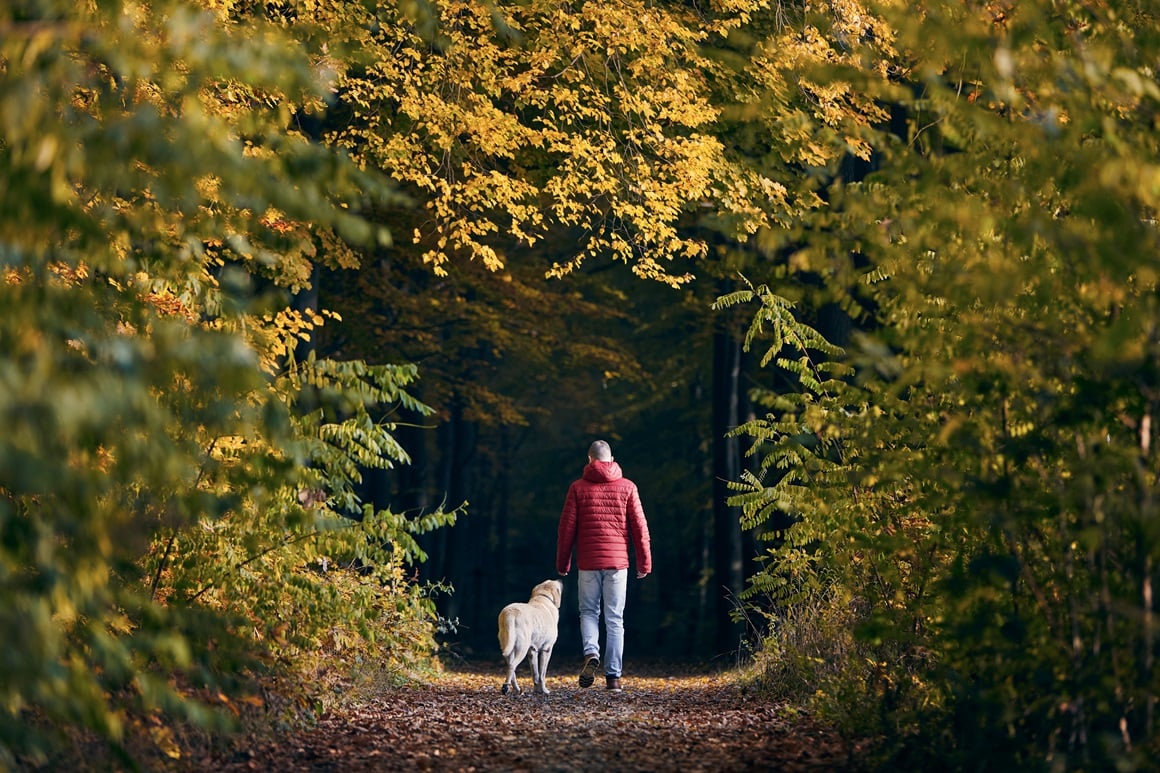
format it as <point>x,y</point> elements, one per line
<point>531,627</point>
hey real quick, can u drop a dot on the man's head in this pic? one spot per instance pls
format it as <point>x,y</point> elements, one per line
<point>600,452</point>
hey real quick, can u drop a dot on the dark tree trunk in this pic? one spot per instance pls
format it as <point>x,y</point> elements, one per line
<point>307,300</point>
<point>412,488</point>
<point>502,512</point>
<point>459,562</point>
<point>727,539</point>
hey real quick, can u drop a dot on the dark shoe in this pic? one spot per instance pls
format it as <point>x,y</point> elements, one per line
<point>588,670</point>
<point>612,683</point>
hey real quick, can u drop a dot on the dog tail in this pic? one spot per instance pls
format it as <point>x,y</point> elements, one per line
<point>507,637</point>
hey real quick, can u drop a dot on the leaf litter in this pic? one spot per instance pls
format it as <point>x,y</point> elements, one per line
<point>664,720</point>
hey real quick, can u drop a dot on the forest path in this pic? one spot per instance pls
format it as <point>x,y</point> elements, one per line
<point>460,722</point>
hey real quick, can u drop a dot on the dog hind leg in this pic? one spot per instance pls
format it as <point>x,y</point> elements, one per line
<point>514,660</point>
<point>545,656</point>
<point>534,662</point>
<point>513,646</point>
<point>510,682</point>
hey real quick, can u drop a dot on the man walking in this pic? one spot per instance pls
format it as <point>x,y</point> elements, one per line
<point>602,515</point>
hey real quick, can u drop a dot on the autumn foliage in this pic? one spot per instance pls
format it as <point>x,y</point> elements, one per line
<point>253,252</point>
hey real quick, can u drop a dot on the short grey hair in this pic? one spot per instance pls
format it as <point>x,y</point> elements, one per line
<point>600,451</point>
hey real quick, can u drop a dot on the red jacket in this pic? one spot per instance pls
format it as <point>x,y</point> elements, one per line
<point>602,512</point>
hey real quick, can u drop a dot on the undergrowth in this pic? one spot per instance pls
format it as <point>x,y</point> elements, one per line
<point>879,695</point>
<point>290,683</point>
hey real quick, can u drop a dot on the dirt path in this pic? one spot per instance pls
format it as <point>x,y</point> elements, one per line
<point>660,722</point>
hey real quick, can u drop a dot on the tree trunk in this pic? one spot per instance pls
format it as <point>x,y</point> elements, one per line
<point>307,300</point>
<point>727,540</point>
<point>502,513</point>
<point>412,489</point>
<point>459,563</point>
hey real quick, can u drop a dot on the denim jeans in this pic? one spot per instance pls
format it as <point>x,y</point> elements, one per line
<point>610,585</point>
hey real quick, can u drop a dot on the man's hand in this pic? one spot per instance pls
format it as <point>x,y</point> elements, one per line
<point>641,575</point>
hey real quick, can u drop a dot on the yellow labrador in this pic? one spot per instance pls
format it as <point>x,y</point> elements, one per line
<point>531,627</point>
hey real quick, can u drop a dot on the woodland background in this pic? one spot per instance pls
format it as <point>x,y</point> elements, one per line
<point>311,309</point>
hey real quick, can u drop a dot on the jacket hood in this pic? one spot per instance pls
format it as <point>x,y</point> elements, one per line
<point>602,472</point>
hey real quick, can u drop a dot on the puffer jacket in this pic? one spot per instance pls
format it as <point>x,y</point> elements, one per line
<point>602,514</point>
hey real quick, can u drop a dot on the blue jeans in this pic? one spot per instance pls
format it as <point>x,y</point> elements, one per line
<point>611,586</point>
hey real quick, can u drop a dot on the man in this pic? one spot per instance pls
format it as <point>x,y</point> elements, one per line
<point>602,514</point>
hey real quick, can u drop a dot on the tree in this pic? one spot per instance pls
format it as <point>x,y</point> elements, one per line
<point>162,450</point>
<point>980,476</point>
<point>584,127</point>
